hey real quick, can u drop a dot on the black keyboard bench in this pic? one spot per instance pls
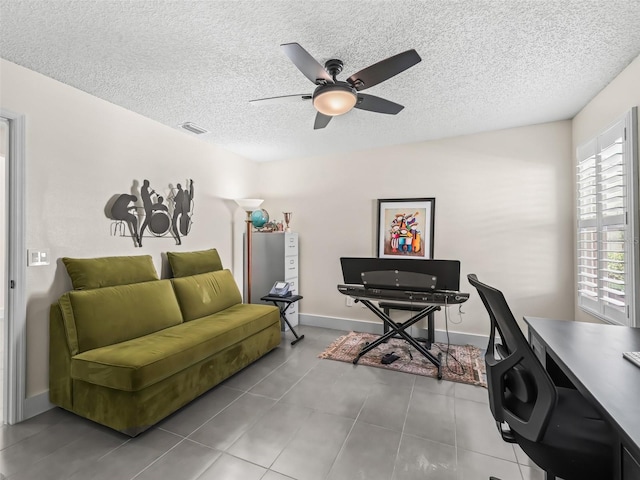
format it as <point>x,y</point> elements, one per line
<point>411,307</point>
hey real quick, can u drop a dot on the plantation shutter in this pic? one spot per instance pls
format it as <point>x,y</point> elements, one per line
<point>587,227</point>
<point>607,194</point>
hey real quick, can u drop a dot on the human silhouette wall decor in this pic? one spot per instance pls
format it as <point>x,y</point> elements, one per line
<point>145,210</point>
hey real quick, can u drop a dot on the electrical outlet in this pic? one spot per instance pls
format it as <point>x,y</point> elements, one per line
<point>349,301</point>
<point>36,258</point>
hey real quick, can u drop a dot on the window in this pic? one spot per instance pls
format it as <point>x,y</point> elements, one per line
<point>607,236</point>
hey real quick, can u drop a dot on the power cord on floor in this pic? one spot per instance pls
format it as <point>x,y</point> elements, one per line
<point>447,352</point>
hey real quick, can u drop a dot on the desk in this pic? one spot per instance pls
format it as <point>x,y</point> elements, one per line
<point>283,303</point>
<point>590,355</point>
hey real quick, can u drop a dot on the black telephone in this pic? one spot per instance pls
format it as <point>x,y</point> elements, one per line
<point>281,289</point>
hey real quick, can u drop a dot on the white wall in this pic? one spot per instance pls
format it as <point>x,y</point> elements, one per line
<point>609,106</point>
<point>81,150</point>
<point>503,208</point>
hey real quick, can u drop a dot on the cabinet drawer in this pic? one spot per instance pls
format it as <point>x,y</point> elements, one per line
<point>294,285</point>
<point>538,349</point>
<point>290,267</point>
<point>293,308</point>
<point>292,314</point>
<point>291,244</point>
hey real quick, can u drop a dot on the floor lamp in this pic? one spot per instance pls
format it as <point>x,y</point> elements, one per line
<point>249,205</point>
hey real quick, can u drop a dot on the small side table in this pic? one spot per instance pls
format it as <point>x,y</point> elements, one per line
<point>283,303</point>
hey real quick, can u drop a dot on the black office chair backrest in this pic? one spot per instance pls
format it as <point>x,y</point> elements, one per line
<point>520,390</point>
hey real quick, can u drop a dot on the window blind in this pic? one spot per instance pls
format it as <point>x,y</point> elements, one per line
<point>607,209</point>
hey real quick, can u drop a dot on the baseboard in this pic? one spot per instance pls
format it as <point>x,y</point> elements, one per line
<point>337,323</point>
<point>37,404</point>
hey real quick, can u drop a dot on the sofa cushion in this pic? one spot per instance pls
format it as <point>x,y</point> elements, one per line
<point>86,273</point>
<point>140,362</point>
<point>206,294</point>
<point>111,315</point>
<point>184,264</point>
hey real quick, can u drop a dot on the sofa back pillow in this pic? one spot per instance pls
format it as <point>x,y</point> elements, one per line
<point>206,294</point>
<point>101,272</point>
<point>105,316</point>
<point>184,264</point>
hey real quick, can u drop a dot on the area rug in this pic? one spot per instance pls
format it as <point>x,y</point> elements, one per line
<point>460,363</point>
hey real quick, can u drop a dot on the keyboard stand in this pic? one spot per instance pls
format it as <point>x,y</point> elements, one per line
<point>410,307</point>
<point>399,328</point>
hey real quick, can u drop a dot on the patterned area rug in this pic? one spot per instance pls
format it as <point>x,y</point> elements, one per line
<point>464,363</point>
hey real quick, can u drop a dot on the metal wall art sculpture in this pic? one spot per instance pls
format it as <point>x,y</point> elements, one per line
<point>154,216</point>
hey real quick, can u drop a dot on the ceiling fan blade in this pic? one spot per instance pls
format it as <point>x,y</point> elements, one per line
<point>322,121</point>
<point>372,103</point>
<point>284,99</point>
<point>308,65</point>
<point>384,70</point>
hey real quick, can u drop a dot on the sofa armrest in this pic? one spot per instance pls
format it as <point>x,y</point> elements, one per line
<point>60,383</point>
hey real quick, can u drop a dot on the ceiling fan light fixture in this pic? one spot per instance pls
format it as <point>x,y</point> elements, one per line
<point>334,99</point>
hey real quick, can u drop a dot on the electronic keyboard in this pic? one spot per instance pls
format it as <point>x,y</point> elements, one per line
<point>434,297</point>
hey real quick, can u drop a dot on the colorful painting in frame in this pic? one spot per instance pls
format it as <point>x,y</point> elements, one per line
<point>405,228</point>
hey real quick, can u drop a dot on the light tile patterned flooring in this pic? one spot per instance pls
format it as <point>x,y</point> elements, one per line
<point>288,416</point>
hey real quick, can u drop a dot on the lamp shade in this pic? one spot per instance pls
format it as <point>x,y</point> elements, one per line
<point>249,204</point>
<point>334,99</point>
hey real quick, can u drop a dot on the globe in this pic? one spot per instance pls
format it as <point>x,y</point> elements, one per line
<point>259,218</point>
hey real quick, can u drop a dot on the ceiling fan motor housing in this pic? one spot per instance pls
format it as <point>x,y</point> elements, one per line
<point>333,66</point>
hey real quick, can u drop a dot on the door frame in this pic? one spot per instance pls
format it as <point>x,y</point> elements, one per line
<point>16,264</point>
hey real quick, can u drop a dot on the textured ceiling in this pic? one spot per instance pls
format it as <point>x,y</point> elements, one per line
<point>485,64</point>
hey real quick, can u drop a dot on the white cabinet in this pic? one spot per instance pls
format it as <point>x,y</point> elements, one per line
<point>274,257</point>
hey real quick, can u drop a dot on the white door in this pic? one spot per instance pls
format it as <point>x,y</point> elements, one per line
<point>13,263</point>
<point>4,149</point>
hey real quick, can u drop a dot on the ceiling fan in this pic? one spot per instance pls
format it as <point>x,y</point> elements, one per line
<point>333,97</point>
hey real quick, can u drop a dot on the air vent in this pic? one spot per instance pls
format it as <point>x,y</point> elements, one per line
<point>193,128</point>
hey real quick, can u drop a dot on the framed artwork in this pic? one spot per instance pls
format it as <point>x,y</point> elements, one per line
<point>405,228</point>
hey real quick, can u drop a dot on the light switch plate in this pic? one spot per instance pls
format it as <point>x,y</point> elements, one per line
<point>37,258</point>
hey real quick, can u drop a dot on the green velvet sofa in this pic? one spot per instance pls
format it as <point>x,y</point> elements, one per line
<point>126,356</point>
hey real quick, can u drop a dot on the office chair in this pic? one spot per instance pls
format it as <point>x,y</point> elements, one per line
<point>556,427</point>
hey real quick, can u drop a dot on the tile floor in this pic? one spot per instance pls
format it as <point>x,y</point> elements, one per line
<point>1,370</point>
<point>288,416</point>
